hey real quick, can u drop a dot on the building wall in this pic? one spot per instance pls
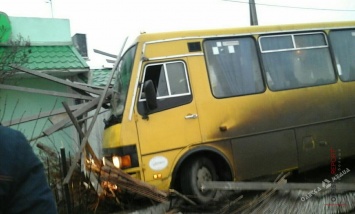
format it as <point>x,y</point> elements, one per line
<point>15,104</point>
<point>41,30</point>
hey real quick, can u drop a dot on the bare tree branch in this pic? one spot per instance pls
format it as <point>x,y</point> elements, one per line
<point>15,52</point>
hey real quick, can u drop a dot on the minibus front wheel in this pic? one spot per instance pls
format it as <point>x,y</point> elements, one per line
<point>196,171</point>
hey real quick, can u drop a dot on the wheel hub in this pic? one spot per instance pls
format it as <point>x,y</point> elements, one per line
<point>203,174</point>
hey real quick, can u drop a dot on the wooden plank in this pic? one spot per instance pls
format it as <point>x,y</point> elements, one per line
<point>51,93</point>
<point>57,80</point>
<point>75,122</point>
<point>110,61</point>
<point>66,126</point>
<point>81,133</point>
<point>110,168</point>
<point>122,180</point>
<point>105,53</point>
<point>88,107</point>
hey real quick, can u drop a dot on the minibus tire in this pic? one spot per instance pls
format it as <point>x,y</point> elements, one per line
<point>198,170</point>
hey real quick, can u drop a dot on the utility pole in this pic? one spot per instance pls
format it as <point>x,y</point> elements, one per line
<point>253,15</point>
<point>50,2</point>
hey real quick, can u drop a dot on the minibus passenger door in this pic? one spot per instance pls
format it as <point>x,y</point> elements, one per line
<point>168,117</point>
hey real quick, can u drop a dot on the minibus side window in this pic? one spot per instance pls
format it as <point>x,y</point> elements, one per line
<point>343,45</point>
<point>171,84</point>
<point>233,67</point>
<point>296,60</point>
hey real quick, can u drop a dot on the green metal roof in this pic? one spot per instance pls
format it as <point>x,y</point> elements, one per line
<point>100,77</point>
<point>52,58</point>
<point>55,58</point>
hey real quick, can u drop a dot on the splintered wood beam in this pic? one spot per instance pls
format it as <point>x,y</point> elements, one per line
<point>41,115</point>
<point>46,92</point>
<point>123,180</point>
<point>85,139</point>
<point>80,131</point>
<point>57,80</point>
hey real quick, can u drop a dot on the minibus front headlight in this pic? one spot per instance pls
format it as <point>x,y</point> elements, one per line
<point>120,162</point>
<point>116,161</point>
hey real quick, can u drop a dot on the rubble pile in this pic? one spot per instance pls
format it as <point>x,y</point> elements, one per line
<point>290,202</point>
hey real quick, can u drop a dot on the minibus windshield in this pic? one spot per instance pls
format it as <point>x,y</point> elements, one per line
<point>123,71</point>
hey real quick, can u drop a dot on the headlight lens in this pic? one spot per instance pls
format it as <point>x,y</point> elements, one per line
<point>116,161</point>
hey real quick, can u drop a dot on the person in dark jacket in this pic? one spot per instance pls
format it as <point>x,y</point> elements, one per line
<point>23,184</point>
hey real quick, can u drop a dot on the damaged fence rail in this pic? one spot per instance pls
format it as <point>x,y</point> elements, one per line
<point>223,185</point>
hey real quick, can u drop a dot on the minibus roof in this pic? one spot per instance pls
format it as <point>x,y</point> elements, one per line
<point>246,30</point>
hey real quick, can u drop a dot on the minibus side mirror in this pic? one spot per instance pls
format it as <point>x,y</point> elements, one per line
<point>150,95</point>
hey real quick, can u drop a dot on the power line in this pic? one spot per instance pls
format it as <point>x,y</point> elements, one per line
<point>294,7</point>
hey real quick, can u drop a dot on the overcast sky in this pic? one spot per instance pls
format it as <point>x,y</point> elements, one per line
<point>108,22</point>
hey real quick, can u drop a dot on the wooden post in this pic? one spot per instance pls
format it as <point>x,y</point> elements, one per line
<point>65,185</point>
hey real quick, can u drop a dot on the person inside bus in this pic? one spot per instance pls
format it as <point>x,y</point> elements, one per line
<point>23,184</point>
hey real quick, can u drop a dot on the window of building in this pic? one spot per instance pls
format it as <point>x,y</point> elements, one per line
<point>233,67</point>
<point>343,45</point>
<point>296,60</point>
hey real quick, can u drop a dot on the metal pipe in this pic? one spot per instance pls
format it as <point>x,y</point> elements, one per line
<point>225,185</point>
